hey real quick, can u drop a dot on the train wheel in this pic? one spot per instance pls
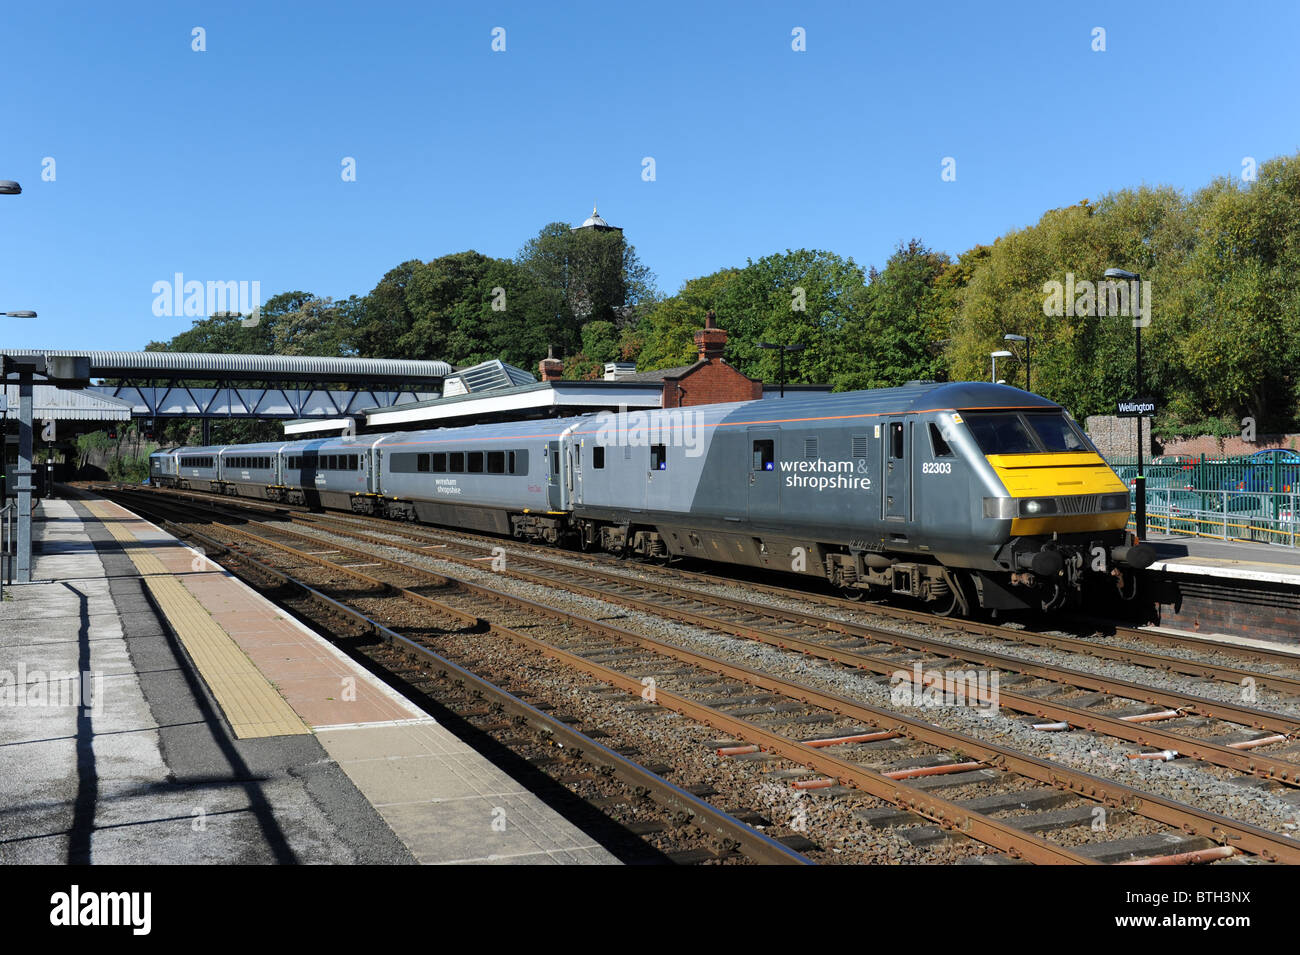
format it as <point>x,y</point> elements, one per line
<point>853,593</point>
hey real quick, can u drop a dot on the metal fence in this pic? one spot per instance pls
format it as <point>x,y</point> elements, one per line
<point>1228,498</point>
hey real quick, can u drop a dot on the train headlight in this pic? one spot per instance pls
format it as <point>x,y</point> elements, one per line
<point>1037,507</point>
<point>1114,502</point>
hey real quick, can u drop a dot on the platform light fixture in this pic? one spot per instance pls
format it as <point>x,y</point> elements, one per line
<point>1027,340</point>
<point>995,355</point>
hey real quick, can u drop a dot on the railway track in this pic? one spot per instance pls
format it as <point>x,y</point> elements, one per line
<point>1105,638</point>
<point>1004,799</point>
<point>1118,708</point>
<point>1246,739</point>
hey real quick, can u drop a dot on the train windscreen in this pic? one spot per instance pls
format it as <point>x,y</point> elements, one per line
<point>1013,432</point>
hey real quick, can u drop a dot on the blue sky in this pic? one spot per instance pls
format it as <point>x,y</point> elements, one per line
<point>225,165</point>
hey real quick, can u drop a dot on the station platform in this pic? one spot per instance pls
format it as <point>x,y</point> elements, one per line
<point>155,709</point>
<point>1232,589</point>
<point>1216,558</point>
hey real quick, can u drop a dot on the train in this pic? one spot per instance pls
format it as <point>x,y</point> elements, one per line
<point>965,496</point>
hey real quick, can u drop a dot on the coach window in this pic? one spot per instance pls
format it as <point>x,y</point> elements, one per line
<point>598,457</point>
<point>940,447</point>
<point>496,462</point>
<point>519,462</point>
<point>422,463</point>
<point>475,462</point>
<point>440,463</point>
<point>457,462</point>
<point>764,455</point>
<point>658,457</point>
<point>896,439</point>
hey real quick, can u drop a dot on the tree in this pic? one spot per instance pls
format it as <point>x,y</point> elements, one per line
<point>666,334</point>
<point>385,318</point>
<point>901,315</point>
<point>805,297</point>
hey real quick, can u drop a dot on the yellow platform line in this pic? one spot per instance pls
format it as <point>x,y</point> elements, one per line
<point>251,704</point>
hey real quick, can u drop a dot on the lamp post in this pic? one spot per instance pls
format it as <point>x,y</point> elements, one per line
<point>24,472</point>
<point>1026,340</point>
<point>781,350</point>
<point>995,355</point>
<point>1140,487</point>
<point>10,188</point>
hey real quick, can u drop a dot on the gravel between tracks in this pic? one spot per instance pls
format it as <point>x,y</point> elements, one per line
<point>1236,799</point>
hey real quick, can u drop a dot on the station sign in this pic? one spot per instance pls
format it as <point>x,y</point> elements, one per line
<point>1136,408</point>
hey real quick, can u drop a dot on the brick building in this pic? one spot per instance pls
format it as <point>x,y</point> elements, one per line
<point>709,381</point>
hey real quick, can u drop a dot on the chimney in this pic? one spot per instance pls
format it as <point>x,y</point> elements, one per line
<point>711,340</point>
<point>550,367</point>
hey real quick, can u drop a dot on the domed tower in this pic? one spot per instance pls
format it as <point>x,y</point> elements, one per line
<point>594,221</point>
<point>596,287</point>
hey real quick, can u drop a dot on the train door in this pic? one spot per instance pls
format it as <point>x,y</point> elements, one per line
<point>764,477</point>
<point>575,449</point>
<point>375,484</point>
<point>898,470</point>
<point>554,499</point>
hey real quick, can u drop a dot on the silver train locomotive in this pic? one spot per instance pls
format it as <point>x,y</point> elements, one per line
<point>960,495</point>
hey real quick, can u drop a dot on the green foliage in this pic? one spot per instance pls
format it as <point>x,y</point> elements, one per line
<point>129,469</point>
<point>1166,428</point>
<point>1223,343</point>
<point>91,443</point>
<point>901,317</point>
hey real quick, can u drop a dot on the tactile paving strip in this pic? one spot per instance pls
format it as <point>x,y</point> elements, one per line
<point>250,702</point>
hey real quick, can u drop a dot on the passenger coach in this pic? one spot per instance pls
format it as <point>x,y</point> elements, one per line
<point>960,495</point>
